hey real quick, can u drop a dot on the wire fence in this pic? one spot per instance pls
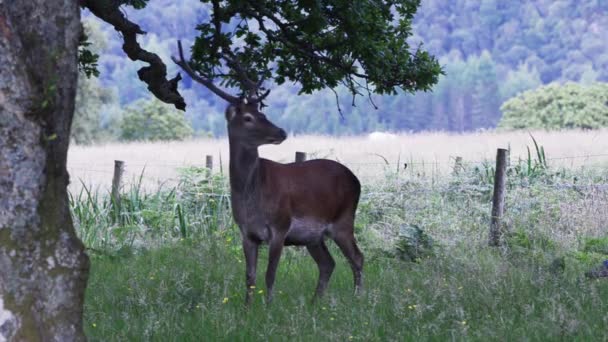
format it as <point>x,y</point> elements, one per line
<point>427,174</point>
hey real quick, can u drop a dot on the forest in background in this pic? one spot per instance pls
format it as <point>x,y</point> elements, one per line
<point>490,50</point>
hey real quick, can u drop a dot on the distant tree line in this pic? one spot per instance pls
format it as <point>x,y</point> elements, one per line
<point>491,51</point>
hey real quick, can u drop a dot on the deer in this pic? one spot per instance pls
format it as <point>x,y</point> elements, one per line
<point>295,204</point>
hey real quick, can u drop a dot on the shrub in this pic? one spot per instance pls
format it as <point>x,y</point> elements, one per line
<point>413,243</point>
<point>558,106</point>
<point>154,120</point>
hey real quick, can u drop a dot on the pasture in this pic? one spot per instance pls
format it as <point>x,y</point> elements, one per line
<point>166,265</point>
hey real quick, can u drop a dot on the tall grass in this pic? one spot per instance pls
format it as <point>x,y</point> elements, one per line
<point>167,265</point>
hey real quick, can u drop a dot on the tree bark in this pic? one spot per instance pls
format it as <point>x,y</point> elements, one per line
<point>43,267</point>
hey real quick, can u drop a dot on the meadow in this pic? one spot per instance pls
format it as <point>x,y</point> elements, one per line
<point>166,263</point>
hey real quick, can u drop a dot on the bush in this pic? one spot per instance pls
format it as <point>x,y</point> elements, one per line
<point>413,243</point>
<point>558,106</point>
<point>153,120</point>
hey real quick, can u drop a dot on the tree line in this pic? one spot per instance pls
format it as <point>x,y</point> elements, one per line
<point>491,51</point>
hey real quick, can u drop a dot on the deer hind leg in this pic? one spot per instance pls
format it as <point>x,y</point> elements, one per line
<point>345,239</point>
<point>325,263</point>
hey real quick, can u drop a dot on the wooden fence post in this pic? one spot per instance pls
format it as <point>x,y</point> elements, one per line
<point>498,198</point>
<point>209,163</point>
<point>457,166</point>
<point>119,168</point>
<point>300,157</point>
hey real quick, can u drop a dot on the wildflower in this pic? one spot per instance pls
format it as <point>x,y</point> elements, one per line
<point>94,325</point>
<point>224,301</point>
<point>323,308</point>
<point>350,338</point>
<point>261,291</point>
<point>331,318</point>
<point>252,287</point>
<point>464,322</point>
<point>409,290</point>
<point>229,239</point>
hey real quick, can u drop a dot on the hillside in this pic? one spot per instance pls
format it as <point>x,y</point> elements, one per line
<point>491,51</point>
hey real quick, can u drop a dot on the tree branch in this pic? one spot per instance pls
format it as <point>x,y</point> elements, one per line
<point>200,79</point>
<point>154,75</point>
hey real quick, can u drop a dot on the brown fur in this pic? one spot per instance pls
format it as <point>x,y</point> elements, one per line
<point>288,204</point>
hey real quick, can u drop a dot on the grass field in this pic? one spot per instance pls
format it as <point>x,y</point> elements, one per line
<point>167,264</point>
<point>428,153</point>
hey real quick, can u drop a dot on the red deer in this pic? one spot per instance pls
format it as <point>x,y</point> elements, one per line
<point>283,204</point>
<point>288,204</point>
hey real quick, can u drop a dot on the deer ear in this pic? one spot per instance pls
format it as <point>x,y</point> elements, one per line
<point>230,112</point>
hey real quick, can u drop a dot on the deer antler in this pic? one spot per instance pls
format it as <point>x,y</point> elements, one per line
<point>200,79</point>
<point>251,86</point>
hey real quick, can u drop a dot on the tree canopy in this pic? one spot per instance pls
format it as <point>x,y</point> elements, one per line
<point>361,45</point>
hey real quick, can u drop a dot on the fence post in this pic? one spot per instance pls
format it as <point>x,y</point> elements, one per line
<point>119,167</point>
<point>300,157</point>
<point>457,166</point>
<point>498,198</point>
<point>209,163</point>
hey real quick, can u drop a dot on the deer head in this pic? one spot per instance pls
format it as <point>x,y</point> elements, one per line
<point>250,127</point>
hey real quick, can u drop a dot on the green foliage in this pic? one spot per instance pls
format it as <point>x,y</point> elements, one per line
<point>557,107</point>
<point>87,60</point>
<point>596,245</point>
<point>318,44</point>
<point>153,120</point>
<point>91,99</point>
<point>529,43</point>
<point>414,244</point>
<point>88,54</point>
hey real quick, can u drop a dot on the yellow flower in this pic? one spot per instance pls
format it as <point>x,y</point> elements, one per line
<point>229,239</point>
<point>224,301</point>
<point>94,325</point>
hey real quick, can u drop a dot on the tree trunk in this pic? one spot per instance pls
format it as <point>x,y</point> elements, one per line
<point>43,267</point>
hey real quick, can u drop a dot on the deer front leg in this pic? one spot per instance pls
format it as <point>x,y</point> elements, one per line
<point>274,255</point>
<point>250,248</point>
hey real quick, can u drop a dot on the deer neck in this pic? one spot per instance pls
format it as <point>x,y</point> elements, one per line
<point>244,168</point>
